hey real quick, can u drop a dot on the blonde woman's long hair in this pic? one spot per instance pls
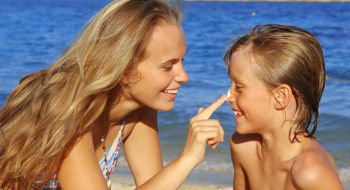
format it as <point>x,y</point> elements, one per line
<point>49,110</point>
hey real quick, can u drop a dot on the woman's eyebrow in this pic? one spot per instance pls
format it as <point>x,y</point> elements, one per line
<point>173,60</point>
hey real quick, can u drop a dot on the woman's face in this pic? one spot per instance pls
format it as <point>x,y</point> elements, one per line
<point>161,72</point>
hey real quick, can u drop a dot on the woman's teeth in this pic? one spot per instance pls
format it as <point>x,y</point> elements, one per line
<point>171,91</point>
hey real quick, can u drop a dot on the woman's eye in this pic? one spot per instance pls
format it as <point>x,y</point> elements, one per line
<point>168,67</point>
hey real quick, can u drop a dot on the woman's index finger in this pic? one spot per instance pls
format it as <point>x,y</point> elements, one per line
<point>207,112</point>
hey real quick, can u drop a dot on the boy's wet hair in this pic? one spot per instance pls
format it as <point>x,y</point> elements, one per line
<point>293,56</point>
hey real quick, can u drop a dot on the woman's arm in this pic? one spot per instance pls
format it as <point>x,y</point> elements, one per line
<point>202,131</point>
<point>80,169</point>
<point>142,148</point>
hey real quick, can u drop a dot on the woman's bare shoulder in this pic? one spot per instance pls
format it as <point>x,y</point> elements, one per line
<point>141,119</point>
<point>143,115</point>
<point>140,115</point>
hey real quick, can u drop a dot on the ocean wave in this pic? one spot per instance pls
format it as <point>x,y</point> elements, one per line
<point>345,176</point>
<point>215,167</point>
<point>339,74</point>
<point>225,166</point>
<point>205,166</point>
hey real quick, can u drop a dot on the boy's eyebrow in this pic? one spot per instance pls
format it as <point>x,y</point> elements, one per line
<point>235,79</point>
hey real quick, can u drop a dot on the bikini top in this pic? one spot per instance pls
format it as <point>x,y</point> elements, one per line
<point>111,157</point>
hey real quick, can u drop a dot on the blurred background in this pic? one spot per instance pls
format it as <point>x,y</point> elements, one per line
<point>34,33</point>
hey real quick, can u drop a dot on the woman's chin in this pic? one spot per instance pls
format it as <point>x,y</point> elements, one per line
<point>166,107</point>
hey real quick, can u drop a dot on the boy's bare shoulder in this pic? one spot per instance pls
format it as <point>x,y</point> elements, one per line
<point>315,169</point>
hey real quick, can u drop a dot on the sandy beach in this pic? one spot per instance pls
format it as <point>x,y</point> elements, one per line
<point>121,182</point>
<point>124,186</point>
<point>185,187</point>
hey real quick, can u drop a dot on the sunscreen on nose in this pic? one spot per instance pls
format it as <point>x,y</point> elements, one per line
<point>228,93</point>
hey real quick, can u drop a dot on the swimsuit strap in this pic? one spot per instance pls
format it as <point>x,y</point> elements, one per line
<point>112,154</point>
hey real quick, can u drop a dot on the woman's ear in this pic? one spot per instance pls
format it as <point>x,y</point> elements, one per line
<point>282,95</point>
<point>130,77</point>
<point>124,81</point>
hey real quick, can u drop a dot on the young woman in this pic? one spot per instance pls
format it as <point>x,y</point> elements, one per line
<point>62,127</point>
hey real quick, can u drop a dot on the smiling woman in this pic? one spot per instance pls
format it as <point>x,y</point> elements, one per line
<point>161,70</point>
<point>103,92</point>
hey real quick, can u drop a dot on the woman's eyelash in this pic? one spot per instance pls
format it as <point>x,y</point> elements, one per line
<point>168,66</point>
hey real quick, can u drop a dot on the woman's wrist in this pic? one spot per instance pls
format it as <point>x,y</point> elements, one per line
<point>188,161</point>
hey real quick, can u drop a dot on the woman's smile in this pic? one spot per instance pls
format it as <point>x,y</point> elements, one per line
<point>172,93</point>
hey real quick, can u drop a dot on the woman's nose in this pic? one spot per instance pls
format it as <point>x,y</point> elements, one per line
<point>182,76</point>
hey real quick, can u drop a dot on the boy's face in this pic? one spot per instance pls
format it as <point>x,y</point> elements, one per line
<point>250,99</point>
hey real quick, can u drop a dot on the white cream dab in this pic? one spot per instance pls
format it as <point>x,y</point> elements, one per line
<point>228,93</point>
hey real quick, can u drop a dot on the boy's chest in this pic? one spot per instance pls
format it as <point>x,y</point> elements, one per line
<point>265,175</point>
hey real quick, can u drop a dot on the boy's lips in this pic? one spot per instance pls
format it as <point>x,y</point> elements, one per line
<point>237,112</point>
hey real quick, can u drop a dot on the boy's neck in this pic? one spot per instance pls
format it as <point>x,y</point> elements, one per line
<point>278,146</point>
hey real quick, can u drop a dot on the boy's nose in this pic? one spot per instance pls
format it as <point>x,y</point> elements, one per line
<point>230,100</point>
<point>229,96</point>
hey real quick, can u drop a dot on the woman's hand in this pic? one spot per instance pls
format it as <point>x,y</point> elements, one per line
<point>202,131</point>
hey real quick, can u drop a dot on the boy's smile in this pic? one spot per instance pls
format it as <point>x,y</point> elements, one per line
<point>249,96</point>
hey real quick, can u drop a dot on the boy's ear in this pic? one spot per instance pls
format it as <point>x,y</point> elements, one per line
<point>282,95</point>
